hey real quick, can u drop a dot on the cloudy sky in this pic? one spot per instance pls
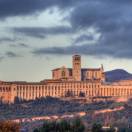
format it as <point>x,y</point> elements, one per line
<point>39,35</point>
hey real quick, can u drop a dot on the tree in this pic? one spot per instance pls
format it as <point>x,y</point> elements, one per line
<point>36,130</point>
<point>62,126</point>
<point>78,125</point>
<point>17,100</point>
<point>81,94</point>
<point>111,130</point>
<point>97,127</point>
<point>69,94</point>
<point>8,126</point>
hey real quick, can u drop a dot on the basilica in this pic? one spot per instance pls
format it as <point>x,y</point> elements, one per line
<point>75,82</point>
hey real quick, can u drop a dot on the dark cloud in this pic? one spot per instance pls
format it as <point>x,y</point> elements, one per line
<point>84,37</point>
<point>20,45</point>
<point>112,20</point>
<point>23,45</point>
<point>94,50</point>
<point>95,13</point>
<point>11,54</point>
<point>7,39</point>
<point>29,7</point>
<point>42,32</point>
<point>109,18</point>
<point>53,50</point>
<point>79,49</point>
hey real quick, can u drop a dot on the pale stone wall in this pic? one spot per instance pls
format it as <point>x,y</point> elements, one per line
<point>90,89</point>
<point>60,73</point>
<point>123,82</point>
<point>116,90</point>
<point>59,89</point>
<point>93,74</point>
<point>7,93</point>
<point>28,92</point>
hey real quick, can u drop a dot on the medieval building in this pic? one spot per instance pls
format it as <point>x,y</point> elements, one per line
<point>89,82</point>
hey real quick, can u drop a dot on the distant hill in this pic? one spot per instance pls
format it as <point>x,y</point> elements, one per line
<point>117,74</point>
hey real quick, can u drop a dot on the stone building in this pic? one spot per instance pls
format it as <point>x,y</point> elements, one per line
<point>76,80</point>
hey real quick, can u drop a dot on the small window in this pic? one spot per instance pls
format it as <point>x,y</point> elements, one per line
<point>63,73</point>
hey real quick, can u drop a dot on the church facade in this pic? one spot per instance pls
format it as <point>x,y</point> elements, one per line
<point>75,81</point>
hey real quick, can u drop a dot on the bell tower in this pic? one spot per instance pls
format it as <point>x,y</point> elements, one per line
<point>76,64</point>
<point>102,74</point>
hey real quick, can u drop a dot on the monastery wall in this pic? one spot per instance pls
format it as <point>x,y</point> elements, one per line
<point>7,93</point>
<point>28,92</point>
<point>60,89</point>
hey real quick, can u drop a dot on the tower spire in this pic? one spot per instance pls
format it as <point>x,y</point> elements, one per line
<point>102,67</point>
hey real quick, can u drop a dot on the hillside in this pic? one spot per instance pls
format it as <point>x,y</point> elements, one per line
<point>117,74</point>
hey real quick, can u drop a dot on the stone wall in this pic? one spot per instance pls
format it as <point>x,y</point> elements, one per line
<point>60,89</point>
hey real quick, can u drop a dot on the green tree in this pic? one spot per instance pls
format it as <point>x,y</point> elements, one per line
<point>69,94</point>
<point>81,94</point>
<point>78,126</point>
<point>62,126</point>
<point>111,130</point>
<point>36,130</point>
<point>97,127</point>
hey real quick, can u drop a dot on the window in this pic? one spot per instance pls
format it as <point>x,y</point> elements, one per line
<point>63,73</point>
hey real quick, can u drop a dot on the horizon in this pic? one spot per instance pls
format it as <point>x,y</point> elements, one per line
<point>38,36</point>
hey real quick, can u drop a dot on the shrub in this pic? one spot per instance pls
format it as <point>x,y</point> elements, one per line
<point>36,130</point>
<point>8,126</point>
<point>78,125</point>
<point>62,126</point>
<point>81,94</point>
<point>69,94</point>
<point>97,127</point>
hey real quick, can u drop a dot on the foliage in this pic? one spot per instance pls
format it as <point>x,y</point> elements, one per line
<point>116,104</point>
<point>81,94</point>
<point>110,130</point>
<point>78,126</point>
<point>36,130</point>
<point>62,126</point>
<point>97,127</point>
<point>125,130</point>
<point>8,126</point>
<point>69,94</point>
<point>17,100</point>
<point>46,100</point>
